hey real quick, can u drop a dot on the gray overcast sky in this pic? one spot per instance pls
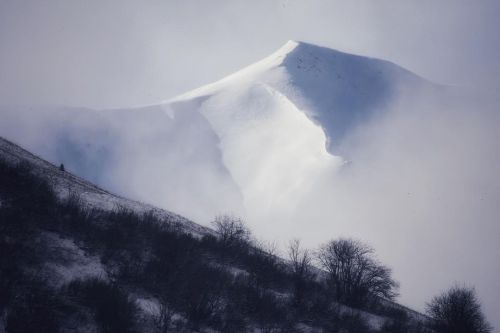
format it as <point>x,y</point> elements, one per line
<point>111,53</point>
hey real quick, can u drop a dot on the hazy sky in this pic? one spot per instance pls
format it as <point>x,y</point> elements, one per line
<point>109,53</point>
<point>122,53</point>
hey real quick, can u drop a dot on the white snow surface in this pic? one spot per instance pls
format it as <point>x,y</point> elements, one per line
<point>66,261</point>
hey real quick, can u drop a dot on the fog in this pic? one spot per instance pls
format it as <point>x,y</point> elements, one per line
<point>119,53</point>
<point>420,184</point>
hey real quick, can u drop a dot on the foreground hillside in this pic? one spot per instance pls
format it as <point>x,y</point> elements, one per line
<point>85,260</point>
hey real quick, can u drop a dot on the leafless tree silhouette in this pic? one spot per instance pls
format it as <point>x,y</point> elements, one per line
<point>232,230</point>
<point>458,311</point>
<point>354,275</point>
<point>302,273</point>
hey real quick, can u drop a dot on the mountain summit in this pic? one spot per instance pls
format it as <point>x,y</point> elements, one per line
<point>336,90</point>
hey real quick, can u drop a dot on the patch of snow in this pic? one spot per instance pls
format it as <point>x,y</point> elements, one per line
<point>149,306</point>
<point>69,262</point>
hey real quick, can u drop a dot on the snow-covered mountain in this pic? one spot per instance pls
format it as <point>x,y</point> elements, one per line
<point>255,140</point>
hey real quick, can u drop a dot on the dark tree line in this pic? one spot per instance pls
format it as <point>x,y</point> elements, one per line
<point>226,281</point>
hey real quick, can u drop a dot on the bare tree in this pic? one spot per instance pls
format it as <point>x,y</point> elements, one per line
<point>232,230</point>
<point>354,274</point>
<point>458,311</point>
<point>164,319</point>
<point>300,259</point>
<point>301,266</point>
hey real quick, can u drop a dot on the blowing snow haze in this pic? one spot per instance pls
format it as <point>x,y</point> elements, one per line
<point>309,142</point>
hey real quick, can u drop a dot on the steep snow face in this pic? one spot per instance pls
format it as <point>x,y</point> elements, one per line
<point>66,261</point>
<point>340,91</point>
<point>272,149</point>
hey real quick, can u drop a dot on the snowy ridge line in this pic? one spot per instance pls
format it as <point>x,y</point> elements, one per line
<point>284,57</point>
<point>245,74</point>
<point>66,183</point>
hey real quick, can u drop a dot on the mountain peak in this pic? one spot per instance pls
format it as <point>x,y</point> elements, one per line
<point>301,48</point>
<point>298,46</point>
<point>336,90</point>
<point>288,46</point>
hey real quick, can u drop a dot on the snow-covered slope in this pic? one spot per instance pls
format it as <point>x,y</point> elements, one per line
<point>255,141</point>
<point>152,154</point>
<point>65,184</point>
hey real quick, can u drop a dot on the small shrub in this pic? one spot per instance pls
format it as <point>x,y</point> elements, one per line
<point>232,231</point>
<point>457,311</point>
